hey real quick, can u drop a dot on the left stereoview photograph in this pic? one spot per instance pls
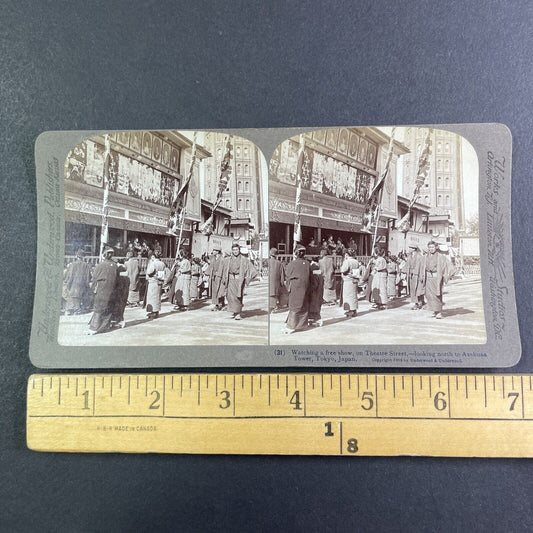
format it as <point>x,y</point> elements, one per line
<point>164,241</point>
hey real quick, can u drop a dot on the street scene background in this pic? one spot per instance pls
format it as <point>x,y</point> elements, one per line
<point>165,212</point>
<point>372,197</point>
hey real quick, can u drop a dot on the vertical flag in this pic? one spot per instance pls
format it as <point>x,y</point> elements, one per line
<point>423,167</point>
<point>297,238</point>
<point>104,235</point>
<point>225,171</point>
<point>179,202</point>
<point>182,194</point>
<point>373,204</point>
<point>404,224</point>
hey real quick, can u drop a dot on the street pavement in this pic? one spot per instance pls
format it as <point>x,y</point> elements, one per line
<point>463,322</point>
<point>197,326</point>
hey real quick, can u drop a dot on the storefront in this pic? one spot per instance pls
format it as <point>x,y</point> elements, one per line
<point>220,236</point>
<point>145,172</point>
<point>341,167</point>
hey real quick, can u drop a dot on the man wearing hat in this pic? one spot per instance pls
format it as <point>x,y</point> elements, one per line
<point>437,274</point>
<point>214,271</point>
<point>276,274</point>
<point>237,272</point>
<point>416,277</point>
<point>297,281</point>
<point>104,279</point>
<point>77,279</point>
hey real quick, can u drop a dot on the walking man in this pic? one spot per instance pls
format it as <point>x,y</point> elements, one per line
<point>237,272</point>
<point>104,279</point>
<point>276,279</point>
<point>416,277</point>
<point>77,279</point>
<point>132,269</point>
<point>437,274</point>
<point>214,271</point>
<point>297,280</point>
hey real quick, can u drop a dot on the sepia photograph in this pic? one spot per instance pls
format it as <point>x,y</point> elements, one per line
<point>374,238</point>
<point>165,241</point>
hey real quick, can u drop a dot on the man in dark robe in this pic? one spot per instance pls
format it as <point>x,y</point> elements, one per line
<point>297,281</point>
<point>276,273</point>
<point>316,289</point>
<point>416,277</point>
<point>77,279</point>
<point>119,300</point>
<point>437,274</point>
<point>104,279</point>
<point>237,272</point>
<point>214,271</point>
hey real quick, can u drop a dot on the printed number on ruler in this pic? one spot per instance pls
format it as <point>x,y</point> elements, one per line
<point>283,413</point>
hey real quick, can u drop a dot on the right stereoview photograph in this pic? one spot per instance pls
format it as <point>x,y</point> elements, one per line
<point>374,238</point>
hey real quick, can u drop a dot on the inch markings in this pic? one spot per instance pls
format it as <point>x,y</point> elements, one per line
<point>243,416</point>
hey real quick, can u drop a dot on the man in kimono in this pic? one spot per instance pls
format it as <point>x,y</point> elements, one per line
<point>214,271</point>
<point>328,271</point>
<point>237,272</point>
<point>315,292</point>
<point>104,279</point>
<point>120,296</point>
<point>437,274</point>
<point>416,277</point>
<point>77,279</point>
<point>133,270</point>
<point>297,276</point>
<point>276,273</point>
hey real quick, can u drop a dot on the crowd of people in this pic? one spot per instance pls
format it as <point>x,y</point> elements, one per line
<point>331,245</point>
<point>111,286</point>
<point>311,281</point>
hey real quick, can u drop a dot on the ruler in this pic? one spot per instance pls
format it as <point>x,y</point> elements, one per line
<point>284,413</point>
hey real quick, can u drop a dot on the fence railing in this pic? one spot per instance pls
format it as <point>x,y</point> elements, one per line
<point>337,259</point>
<point>143,261</point>
<point>472,270</point>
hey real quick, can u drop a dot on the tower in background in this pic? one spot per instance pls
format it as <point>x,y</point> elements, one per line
<point>244,192</point>
<point>443,188</point>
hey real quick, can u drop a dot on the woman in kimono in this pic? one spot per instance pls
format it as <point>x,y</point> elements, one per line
<point>379,280</point>
<point>182,296</point>
<point>155,274</point>
<point>316,289</point>
<point>350,279</point>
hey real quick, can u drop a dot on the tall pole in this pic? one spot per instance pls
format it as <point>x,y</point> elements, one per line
<point>104,234</point>
<point>298,203</point>
<point>378,213</point>
<point>185,194</point>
